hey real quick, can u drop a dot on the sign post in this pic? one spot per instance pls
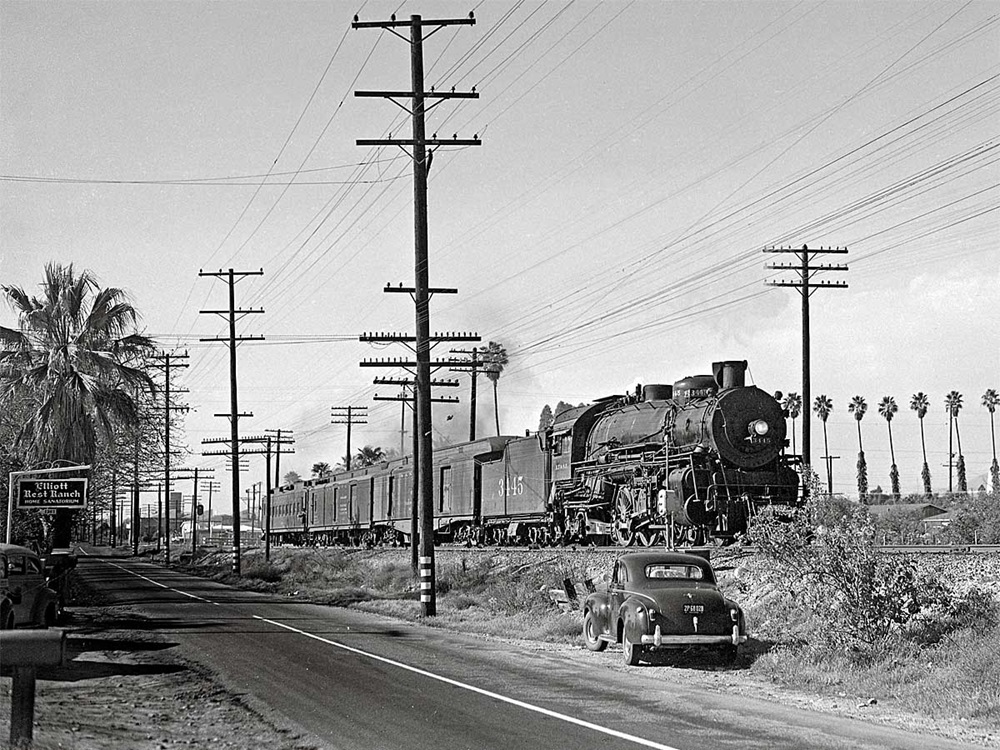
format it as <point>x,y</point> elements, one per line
<point>46,493</point>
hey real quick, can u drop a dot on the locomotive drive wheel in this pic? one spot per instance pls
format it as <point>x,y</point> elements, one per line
<point>631,652</point>
<point>590,634</point>
<point>622,523</point>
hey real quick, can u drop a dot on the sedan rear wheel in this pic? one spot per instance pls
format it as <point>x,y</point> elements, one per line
<point>591,635</point>
<point>632,652</point>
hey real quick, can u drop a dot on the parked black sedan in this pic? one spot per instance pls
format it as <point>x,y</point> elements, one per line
<point>662,600</point>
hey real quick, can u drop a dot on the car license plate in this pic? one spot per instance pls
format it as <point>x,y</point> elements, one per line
<point>694,609</point>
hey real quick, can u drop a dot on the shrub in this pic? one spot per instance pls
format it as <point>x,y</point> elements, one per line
<point>837,588</point>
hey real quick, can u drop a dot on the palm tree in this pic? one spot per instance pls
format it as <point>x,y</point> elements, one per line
<point>76,356</point>
<point>494,360</point>
<point>991,400</point>
<point>953,404</point>
<point>920,403</point>
<point>320,469</point>
<point>858,407</point>
<point>792,403</point>
<point>823,406</point>
<point>887,408</point>
<point>369,456</point>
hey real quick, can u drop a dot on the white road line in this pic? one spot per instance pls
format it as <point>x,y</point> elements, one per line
<point>472,688</point>
<point>161,585</point>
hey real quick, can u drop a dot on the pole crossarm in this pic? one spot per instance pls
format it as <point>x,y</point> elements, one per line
<point>408,383</point>
<point>809,284</point>
<point>389,289</point>
<point>243,452</point>
<point>403,338</point>
<point>456,141</point>
<point>404,363</point>
<point>394,24</point>
<point>410,399</point>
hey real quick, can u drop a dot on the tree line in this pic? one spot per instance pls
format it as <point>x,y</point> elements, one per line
<point>920,404</point>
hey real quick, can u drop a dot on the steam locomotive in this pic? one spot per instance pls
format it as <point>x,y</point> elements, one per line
<point>685,464</point>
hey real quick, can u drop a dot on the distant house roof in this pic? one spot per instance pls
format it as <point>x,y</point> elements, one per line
<point>924,510</point>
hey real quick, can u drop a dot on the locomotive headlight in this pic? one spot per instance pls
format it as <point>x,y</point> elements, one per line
<point>759,427</point>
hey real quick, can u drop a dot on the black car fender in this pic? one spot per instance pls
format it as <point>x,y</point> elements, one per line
<point>599,607</point>
<point>634,616</point>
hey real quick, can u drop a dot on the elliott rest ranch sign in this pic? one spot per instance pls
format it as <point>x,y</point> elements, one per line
<point>52,493</point>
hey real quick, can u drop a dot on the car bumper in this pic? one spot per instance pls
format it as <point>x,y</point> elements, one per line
<point>658,639</point>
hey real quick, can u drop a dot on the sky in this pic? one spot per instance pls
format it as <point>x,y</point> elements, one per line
<point>636,159</point>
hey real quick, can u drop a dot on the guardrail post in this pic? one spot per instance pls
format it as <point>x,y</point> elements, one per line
<point>24,651</point>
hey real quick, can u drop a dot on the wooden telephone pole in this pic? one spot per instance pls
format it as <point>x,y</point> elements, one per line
<point>806,284</point>
<point>168,362</point>
<point>421,295</point>
<point>349,415</point>
<point>232,315</point>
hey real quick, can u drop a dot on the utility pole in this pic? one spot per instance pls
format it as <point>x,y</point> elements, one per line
<point>193,474</point>
<point>421,295</point>
<point>806,284</point>
<point>472,365</point>
<point>234,415</point>
<point>277,443</point>
<point>168,362</point>
<point>112,539</point>
<point>349,415</point>
<point>268,445</point>
<point>407,399</point>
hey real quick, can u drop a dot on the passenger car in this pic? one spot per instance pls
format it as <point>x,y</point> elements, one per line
<point>662,600</point>
<point>25,598</point>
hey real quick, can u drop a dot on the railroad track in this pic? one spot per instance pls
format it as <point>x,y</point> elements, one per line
<point>733,550</point>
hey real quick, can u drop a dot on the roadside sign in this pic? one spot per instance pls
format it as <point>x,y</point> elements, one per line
<point>52,493</point>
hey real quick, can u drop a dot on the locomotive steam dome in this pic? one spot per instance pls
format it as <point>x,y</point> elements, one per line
<point>748,427</point>
<point>694,387</point>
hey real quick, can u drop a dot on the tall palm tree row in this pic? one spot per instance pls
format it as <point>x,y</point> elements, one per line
<point>858,407</point>
<point>823,406</point>
<point>792,403</point>
<point>887,408</point>
<point>77,357</point>
<point>920,403</point>
<point>494,360</point>
<point>991,400</point>
<point>953,405</point>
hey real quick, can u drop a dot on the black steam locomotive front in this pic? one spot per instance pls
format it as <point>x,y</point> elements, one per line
<point>725,457</point>
<point>691,461</point>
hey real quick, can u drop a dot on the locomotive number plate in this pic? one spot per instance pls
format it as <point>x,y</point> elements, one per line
<point>694,609</point>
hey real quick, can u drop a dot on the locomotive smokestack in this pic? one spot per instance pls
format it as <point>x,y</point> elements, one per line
<point>730,374</point>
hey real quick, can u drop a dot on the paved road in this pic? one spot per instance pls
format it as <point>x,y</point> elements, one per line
<point>358,681</point>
